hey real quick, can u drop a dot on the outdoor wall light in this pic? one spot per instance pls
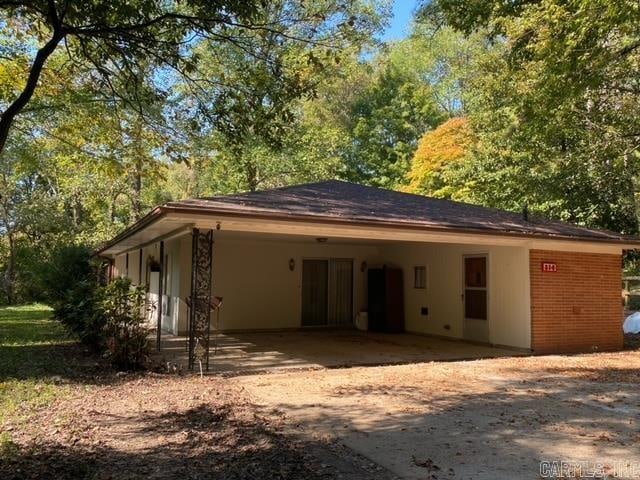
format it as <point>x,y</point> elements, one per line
<point>292,264</point>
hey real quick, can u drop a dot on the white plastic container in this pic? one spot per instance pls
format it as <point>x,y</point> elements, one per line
<point>362,321</point>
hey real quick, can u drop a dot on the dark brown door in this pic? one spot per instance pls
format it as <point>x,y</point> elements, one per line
<point>315,281</point>
<point>475,298</point>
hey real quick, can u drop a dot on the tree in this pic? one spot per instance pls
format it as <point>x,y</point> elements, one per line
<point>388,120</point>
<point>555,108</point>
<point>261,96</point>
<point>100,143</point>
<point>438,151</point>
<point>411,87</point>
<point>117,41</point>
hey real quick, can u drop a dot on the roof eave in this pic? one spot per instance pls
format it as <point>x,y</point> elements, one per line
<point>622,242</point>
<point>153,216</point>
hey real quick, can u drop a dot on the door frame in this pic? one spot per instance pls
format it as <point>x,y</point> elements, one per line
<point>353,290</point>
<point>487,256</point>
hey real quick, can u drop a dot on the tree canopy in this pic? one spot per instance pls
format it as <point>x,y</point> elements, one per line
<point>111,108</point>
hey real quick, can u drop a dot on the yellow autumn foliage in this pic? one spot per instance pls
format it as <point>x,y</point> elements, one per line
<point>437,149</point>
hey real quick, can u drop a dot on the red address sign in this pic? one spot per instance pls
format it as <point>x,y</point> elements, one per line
<point>549,267</point>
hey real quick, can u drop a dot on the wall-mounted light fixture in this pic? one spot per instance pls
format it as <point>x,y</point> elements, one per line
<point>292,264</point>
<point>218,226</point>
<point>322,239</point>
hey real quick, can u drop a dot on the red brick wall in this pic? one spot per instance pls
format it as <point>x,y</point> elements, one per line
<point>578,308</point>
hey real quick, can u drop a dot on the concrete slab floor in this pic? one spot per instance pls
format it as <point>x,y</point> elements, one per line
<point>246,353</point>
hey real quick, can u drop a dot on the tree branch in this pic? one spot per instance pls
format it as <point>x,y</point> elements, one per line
<point>9,115</point>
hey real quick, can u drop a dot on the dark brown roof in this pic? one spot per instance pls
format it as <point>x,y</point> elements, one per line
<point>348,202</point>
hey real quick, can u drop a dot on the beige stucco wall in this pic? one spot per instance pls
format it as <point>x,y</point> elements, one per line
<point>179,250</point>
<point>260,292</point>
<point>119,266</point>
<point>508,278</point>
<point>258,289</point>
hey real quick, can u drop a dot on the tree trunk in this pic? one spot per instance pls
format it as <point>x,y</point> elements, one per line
<point>137,190</point>
<point>9,115</point>
<point>252,176</point>
<point>10,273</point>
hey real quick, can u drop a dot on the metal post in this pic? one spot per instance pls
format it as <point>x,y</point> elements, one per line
<point>200,313</point>
<point>192,307</point>
<point>160,288</point>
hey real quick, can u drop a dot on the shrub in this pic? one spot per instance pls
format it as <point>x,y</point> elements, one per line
<point>109,318</point>
<point>634,302</point>
<point>123,306</point>
<point>67,266</point>
<point>69,284</point>
<point>77,311</point>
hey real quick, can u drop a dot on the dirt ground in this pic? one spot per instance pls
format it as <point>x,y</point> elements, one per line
<point>484,419</point>
<point>164,427</point>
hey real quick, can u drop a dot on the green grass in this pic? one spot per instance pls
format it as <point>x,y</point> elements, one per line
<point>35,361</point>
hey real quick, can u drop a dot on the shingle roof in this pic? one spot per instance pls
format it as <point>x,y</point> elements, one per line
<point>348,202</point>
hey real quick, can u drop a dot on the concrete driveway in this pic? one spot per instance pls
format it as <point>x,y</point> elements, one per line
<point>483,419</point>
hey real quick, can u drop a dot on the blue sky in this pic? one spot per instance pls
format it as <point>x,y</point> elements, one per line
<point>401,21</point>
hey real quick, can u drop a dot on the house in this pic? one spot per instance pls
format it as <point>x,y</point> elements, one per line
<point>303,256</point>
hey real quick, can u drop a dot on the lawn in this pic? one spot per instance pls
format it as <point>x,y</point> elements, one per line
<point>33,353</point>
<point>35,366</point>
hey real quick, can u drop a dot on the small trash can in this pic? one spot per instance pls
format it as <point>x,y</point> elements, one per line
<point>362,321</point>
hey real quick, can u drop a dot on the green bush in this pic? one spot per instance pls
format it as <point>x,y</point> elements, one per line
<point>67,266</point>
<point>107,319</point>
<point>77,310</point>
<point>123,306</point>
<point>634,302</point>
<point>69,284</point>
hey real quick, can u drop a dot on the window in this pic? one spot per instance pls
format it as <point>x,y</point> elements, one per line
<point>420,276</point>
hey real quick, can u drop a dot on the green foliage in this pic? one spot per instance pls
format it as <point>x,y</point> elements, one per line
<point>66,267</point>
<point>78,311</point>
<point>69,284</point>
<point>121,122</point>
<point>550,91</point>
<point>109,318</point>
<point>633,303</point>
<point>389,117</point>
<point>554,108</point>
<point>123,306</point>
<point>34,355</point>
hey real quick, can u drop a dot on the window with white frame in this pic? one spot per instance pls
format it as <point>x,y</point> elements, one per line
<point>420,276</point>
